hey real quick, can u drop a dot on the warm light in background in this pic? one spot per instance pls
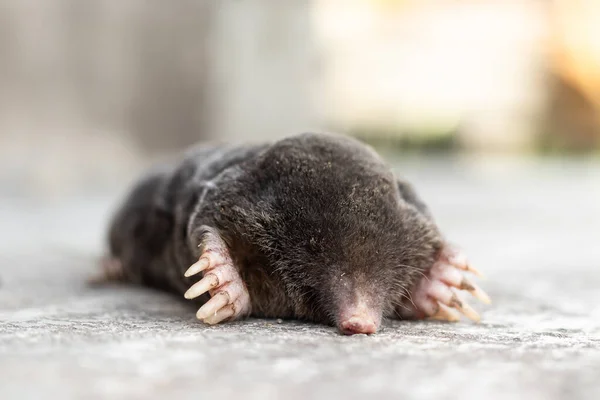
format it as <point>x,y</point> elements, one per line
<point>435,67</point>
<point>118,80</point>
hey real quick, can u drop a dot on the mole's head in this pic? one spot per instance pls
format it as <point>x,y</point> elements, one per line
<point>346,245</point>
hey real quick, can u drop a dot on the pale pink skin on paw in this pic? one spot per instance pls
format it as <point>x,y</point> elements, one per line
<point>438,294</point>
<point>229,296</point>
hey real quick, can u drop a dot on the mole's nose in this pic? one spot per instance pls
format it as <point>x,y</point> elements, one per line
<point>358,324</point>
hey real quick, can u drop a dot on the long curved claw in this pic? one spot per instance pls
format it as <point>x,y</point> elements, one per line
<point>445,313</point>
<point>204,285</point>
<point>464,308</point>
<point>220,315</point>
<point>450,275</point>
<point>437,294</point>
<point>229,296</point>
<point>216,302</point>
<point>475,291</point>
<point>199,266</point>
<point>459,260</point>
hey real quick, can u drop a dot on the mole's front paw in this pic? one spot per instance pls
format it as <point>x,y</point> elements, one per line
<point>437,294</point>
<point>229,296</point>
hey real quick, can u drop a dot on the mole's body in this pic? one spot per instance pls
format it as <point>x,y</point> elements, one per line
<point>314,227</point>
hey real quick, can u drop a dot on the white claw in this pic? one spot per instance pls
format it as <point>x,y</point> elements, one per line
<point>217,302</point>
<point>445,313</point>
<point>458,259</point>
<point>475,271</point>
<point>475,290</point>
<point>464,308</point>
<point>199,266</point>
<point>204,285</point>
<point>220,315</point>
<point>460,262</point>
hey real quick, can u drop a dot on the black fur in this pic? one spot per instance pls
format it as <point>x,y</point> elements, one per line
<point>309,221</point>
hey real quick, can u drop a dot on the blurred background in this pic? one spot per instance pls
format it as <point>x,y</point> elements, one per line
<point>92,91</point>
<point>491,108</point>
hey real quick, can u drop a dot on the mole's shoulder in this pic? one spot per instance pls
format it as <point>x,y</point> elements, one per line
<point>205,161</point>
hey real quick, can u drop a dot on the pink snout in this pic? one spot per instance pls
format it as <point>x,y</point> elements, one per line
<point>358,324</point>
<point>362,315</point>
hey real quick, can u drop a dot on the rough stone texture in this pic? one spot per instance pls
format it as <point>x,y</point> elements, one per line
<point>533,228</point>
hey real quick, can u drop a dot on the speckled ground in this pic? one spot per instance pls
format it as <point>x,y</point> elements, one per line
<point>534,228</point>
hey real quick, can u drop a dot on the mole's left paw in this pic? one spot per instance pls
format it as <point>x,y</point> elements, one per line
<point>437,294</point>
<point>229,296</point>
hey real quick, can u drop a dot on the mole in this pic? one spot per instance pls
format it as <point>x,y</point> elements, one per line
<point>314,227</point>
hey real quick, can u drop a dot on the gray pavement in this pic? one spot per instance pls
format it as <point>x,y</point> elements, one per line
<point>532,227</point>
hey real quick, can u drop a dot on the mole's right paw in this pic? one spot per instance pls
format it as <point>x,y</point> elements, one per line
<point>229,295</point>
<point>437,294</point>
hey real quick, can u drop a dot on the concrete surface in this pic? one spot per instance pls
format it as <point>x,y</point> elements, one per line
<point>532,227</point>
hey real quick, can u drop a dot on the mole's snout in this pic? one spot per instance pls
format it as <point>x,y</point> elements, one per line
<point>358,324</point>
<point>359,316</point>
